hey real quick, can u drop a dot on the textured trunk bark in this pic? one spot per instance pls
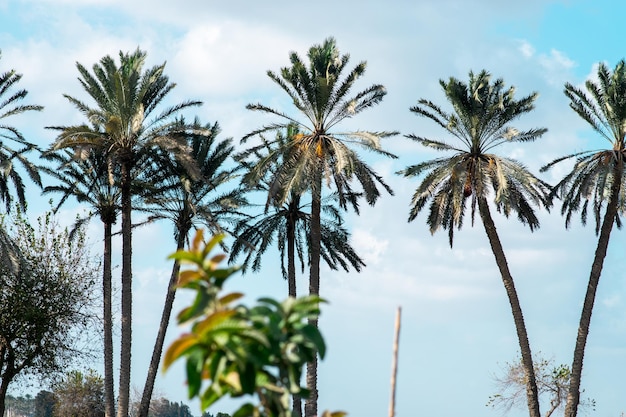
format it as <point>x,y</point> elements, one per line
<point>4,386</point>
<point>291,248</point>
<point>7,376</point>
<point>109,396</point>
<point>291,279</point>
<point>158,344</point>
<point>310,408</point>
<point>522,336</point>
<point>126,319</point>
<point>573,394</point>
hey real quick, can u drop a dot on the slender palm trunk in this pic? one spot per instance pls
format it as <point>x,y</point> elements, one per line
<point>573,395</point>
<point>310,408</point>
<point>109,396</point>
<point>160,340</point>
<point>291,278</point>
<point>126,319</point>
<point>291,245</point>
<point>522,336</point>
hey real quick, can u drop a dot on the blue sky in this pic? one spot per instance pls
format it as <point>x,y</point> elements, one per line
<point>457,327</point>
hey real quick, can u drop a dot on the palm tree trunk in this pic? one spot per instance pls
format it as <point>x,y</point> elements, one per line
<point>126,319</point>
<point>310,408</point>
<point>522,336</point>
<point>291,247</point>
<point>109,396</point>
<point>291,279</point>
<point>573,395</point>
<point>160,340</point>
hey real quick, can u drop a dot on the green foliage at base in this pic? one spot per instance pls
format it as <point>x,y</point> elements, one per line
<point>234,350</point>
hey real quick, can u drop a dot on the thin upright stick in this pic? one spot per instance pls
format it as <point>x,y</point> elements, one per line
<point>394,365</point>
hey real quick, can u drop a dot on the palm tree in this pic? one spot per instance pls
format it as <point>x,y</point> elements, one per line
<point>88,181</point>
<point>322,97</point>
<point>189,203</point>
<point>597,178</point>
<point>288,224</point>
<point>479,123</point>
<point>10,105</point>
<point>125,97</point>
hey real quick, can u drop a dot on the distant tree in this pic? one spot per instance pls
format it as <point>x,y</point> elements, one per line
<point>552,385</point>
<point>79,395</point>
<point>44,404</point>
<point>46,304</point>
<point>162,407</point>
<point>20,406</point>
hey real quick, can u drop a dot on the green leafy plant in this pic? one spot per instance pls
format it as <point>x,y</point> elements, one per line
<point>234,350</point>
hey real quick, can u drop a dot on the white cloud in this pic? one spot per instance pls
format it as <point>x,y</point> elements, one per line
<point>612,301</point>
<point>370,247</point>
<point>526,49</point>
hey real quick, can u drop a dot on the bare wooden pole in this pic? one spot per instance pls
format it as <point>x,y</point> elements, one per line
<point>394,364</point>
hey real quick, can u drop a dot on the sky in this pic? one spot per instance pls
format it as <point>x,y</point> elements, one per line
<point>457,329</point>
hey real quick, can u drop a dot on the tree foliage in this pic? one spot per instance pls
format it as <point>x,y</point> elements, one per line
<point>46,306</point>
<point>79,394</point>
<point>552,384</point>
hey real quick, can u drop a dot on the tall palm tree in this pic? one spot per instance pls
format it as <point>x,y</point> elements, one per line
<point>125,97</point>
<point>189,203</point>
<point>482,111</point>
<point>10,105</point>
<point>87,180</point>
<point>597,177</point>
<point>322,97</point>
<point>288,224</point>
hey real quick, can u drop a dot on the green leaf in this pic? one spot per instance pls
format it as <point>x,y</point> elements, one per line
<point>178,348</point>
<point>246,410</point>
<point>195,362</point>
<point>314,335</point>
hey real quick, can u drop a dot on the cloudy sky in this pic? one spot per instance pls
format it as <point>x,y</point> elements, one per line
<point>457,330</point>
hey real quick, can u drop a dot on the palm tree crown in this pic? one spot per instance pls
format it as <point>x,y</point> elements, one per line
<point>10,106</point>
<point>478,124</point>
<point>603,107</point>
<point>322,96</point>
<point>190,201</point>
